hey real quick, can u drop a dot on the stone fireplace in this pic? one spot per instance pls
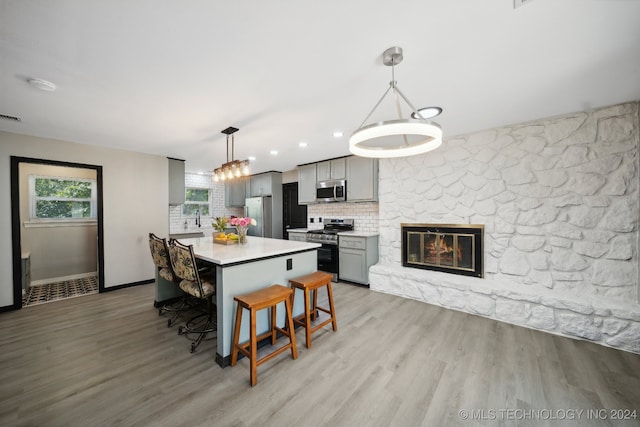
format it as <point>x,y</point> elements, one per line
<point>559,201</point>
<point>448,248</point>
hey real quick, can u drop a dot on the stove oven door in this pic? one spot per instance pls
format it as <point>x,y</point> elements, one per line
<point>328,260</point>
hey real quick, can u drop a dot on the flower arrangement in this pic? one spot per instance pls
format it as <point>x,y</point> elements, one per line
<point>242,224</point>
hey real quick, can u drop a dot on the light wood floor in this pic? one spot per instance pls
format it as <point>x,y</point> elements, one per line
<point>109,359</point>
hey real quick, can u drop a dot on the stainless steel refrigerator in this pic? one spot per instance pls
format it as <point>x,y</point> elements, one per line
<point>260,209</point>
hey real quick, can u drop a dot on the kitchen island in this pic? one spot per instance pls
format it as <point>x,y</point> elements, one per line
<point>244,268</point>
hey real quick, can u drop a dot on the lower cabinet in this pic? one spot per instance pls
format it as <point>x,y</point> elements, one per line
<point>356,255</point>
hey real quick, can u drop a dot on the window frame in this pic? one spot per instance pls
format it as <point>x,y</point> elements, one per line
<point>35,221</point>
<point>192,203</point>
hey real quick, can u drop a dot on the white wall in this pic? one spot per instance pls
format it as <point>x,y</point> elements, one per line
<point>135,200</point>
<point>559,199</point>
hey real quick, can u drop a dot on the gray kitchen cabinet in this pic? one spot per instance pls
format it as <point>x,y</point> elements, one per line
<point>331,169</point>
<point>356,254</point>
<point>362,179</point>
<point>264,184</point>
<point>235,192</point>
<point>298,236</point>
<point>307,184</point>
<point>176,181</point>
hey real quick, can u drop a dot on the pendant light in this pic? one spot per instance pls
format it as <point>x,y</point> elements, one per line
<point>233,168</point>
<point>400,137</point>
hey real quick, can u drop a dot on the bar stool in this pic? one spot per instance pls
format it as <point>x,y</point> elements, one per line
<point>268,297</point>
<point>160,254</point>
<point>313,282</point>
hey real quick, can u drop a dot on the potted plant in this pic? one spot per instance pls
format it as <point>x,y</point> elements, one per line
<point>219,224</point>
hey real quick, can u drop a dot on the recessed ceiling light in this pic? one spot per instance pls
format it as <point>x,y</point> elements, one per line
<point>427,112</point>
<point>252,158</point>
<point>338,134</point>
<point>273,152</point>
<point>302,144</point>
<point>42,84</point>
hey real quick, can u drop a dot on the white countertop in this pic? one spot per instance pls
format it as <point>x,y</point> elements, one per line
<point>255,248</point>
<point>359,233</point>
<point>342,233</point>
<point>297,230</point>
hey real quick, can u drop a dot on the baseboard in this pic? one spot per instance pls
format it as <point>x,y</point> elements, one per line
<point>128,285</point>
<point>63,278</point>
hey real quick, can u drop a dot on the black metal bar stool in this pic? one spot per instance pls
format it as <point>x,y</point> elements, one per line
<point>198,286</point>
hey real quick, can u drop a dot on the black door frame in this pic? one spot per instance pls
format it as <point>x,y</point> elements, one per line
<point>15,221</point>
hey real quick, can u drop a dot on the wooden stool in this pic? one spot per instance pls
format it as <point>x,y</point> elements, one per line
<point>258,300</point>
<point>312,282</point>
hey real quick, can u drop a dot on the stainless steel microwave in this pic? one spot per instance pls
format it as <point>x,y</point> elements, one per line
<point>331,191</point>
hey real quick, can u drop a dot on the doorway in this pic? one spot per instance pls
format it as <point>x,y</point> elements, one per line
<point>293,214</point>
<point>19,232</point>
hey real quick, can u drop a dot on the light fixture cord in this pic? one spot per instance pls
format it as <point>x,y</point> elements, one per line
<point>376,106</point>
<point>395,93</point>
<point>395,88</point>
<point>393,85</point>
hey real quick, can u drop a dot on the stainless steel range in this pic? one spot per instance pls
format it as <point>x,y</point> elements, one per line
<point>328,238</point>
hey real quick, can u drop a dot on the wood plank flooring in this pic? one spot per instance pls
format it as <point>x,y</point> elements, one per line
<point>110,360</point>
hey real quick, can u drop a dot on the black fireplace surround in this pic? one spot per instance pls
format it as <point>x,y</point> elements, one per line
<point>449,248</point>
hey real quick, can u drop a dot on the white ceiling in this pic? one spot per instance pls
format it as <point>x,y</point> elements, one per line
<point>165,77</point>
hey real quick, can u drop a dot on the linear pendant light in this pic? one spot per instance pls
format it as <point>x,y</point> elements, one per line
<point>233,168</point>
<point>399,137</point>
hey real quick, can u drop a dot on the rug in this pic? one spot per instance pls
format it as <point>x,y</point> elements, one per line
<point>60,290</point>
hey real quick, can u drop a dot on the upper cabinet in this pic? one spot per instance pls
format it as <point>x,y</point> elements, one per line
<point>307,184</point>
<point>361,174</point>
<point>331,169</point>
<point>362,179</point>
<point>176,181</point>
<point>235,192</point>
<point>265,184</point>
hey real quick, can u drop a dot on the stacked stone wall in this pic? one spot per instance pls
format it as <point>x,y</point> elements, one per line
<point>559,199</point>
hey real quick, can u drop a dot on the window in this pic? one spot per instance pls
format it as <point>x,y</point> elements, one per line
<point>196,200</point>
<point>55,198</point>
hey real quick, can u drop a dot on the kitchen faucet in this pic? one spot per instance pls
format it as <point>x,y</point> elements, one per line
<point>198,223</point>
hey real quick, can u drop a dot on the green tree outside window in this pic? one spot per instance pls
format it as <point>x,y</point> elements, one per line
<point>196,200</point>
<point>62,198</point>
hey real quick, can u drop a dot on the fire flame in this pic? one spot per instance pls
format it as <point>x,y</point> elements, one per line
<point>445,249</point>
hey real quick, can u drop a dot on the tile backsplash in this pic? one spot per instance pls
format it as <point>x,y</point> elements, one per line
<point>365,214</point>
<point>180,223</point>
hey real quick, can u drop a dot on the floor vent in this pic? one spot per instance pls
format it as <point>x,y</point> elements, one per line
<point>11,118</point>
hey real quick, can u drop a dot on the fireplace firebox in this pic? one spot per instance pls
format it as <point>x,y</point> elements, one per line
<point>448,248</point>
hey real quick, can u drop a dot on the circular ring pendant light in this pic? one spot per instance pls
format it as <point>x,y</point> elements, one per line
<point>400,137</point>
